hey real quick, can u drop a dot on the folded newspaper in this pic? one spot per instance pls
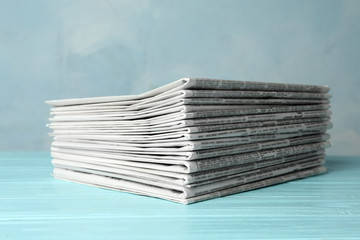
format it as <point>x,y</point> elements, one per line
<point>194,139</point>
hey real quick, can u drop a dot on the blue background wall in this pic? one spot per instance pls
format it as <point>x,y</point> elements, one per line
<point>62,49</point>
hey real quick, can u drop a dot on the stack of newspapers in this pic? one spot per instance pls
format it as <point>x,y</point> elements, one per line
<point>193,139</point>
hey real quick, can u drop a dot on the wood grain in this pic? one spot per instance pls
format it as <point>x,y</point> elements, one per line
<point>33,205</point>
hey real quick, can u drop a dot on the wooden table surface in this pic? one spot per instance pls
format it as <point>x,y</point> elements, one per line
<point>33,205</point>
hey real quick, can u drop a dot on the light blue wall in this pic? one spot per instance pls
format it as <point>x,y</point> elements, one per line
<point>62,49</point>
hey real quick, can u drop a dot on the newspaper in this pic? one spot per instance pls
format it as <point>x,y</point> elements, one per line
<point>225,152</point>
<point>207,186</point>
<point>166,103</point>
<point>186,94</point>
<point>193,139</point>
<point>192,124</point>
<point>177,137</point>
<point>168,167</point>
<point>197,149</point>
<point>178,196</point>
<point>197,84</point>
<point>177,101</point>
<point>111,130</point>
<point>174,113</point>
<point>253,94</point>
<point>188,180</point>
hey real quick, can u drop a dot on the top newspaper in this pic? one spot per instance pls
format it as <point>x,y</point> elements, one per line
<point>210,84</point>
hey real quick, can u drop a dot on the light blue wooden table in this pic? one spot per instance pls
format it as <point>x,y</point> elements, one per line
<point>33,205</point>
